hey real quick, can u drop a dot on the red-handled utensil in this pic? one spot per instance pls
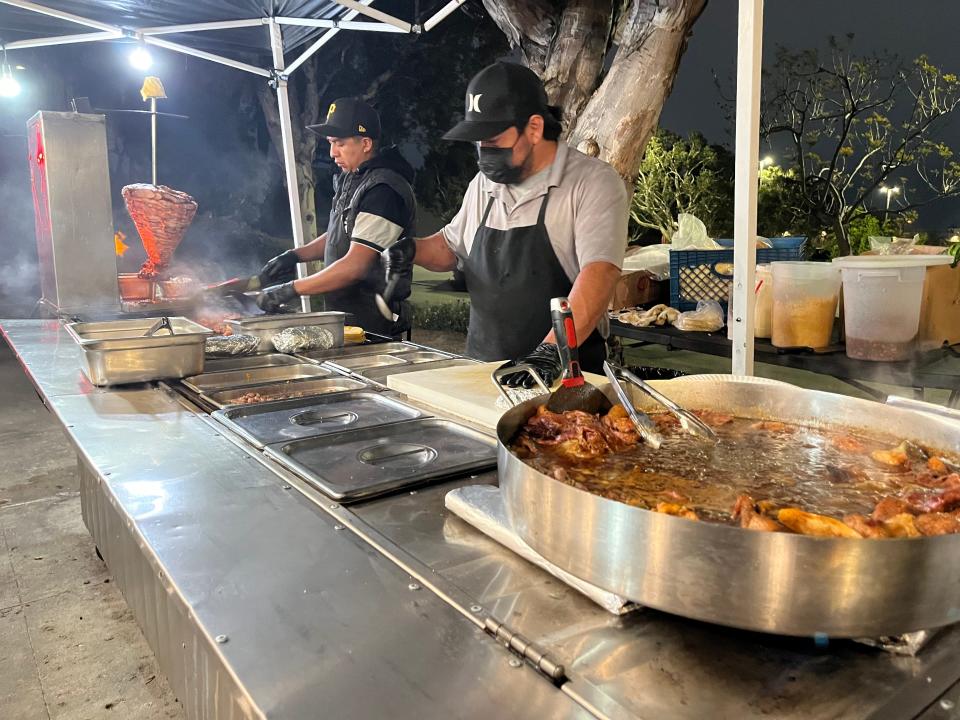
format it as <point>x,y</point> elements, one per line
<point>574,393</point>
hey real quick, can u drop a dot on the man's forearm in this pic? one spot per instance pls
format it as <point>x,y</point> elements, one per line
<point>433,253</point>
<point>590,297</point>
<point>313,250</point>
<point>345,271</point>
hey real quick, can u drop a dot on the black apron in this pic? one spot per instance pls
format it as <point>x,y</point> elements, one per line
<point>511,276</point>
<point>358,298</point>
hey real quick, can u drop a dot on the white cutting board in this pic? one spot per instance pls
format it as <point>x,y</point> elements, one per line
<point>465,391</point>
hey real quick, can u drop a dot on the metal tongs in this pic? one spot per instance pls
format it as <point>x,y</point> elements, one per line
<point>645,426</point>
<point>161,324</point>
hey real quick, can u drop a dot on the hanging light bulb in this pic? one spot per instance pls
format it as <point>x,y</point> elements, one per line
<point>140,58</point>
<point>9,87</point>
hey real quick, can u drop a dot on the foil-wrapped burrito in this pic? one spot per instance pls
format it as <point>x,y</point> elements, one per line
<point>231,345</point>
<point>301,339</point>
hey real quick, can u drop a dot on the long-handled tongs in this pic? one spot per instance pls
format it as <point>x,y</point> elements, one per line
<point>688,421</point>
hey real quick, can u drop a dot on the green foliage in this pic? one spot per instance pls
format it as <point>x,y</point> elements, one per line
<point>453,315</point>
<point>683,175</point>
<point>854,124</point>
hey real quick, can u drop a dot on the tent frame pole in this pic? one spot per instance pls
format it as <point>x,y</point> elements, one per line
<point>441,14</point>
<point>365,9</point>
<point>749,57</point>
<point>321,41</point>
<point>289,156</point>
<point>341,24</point>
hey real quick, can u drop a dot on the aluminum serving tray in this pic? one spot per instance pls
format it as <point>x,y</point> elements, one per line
<point>285,420</point>
<point>255,376</point>
<point>117,352</point>
<point>266,326</point>
<point>249,361</point>
<point>359,464</point>
<point>284,390</point>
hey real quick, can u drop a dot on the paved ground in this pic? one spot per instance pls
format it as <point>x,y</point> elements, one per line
<point>69,646</point>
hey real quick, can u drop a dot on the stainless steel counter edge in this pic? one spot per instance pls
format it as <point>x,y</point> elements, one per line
<point>256,604</point>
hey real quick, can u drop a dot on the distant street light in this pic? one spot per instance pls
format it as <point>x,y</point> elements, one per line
<point>888,191</point>
<point>766,161</point>
<point>140,58</point>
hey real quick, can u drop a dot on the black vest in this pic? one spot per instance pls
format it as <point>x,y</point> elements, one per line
<point>358,299</point>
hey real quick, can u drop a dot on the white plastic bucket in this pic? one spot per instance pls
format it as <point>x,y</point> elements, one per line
<point>804,303</point>
<point>881,304</point>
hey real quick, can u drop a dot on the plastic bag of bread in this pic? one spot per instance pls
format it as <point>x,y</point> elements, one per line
<point>708,317</point>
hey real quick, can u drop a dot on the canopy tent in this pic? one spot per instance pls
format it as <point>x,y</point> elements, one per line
<point>240,34</point>
<point>291,24</point>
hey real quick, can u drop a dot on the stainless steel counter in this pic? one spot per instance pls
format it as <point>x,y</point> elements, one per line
<point>257,602</point>
<point>378,609</point>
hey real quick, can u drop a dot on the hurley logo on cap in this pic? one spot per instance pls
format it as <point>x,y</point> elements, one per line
<point>473,102</point>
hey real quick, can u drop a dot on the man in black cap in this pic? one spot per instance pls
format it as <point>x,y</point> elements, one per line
<point>373,210</point>
<point>540,220</point>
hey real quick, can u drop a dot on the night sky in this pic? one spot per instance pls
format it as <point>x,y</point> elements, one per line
<point>908,29</point>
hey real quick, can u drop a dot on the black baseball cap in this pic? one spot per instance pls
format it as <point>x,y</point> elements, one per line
<point>349,117</point>
<point>498,97</point>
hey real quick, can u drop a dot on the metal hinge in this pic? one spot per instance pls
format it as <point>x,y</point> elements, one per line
<point>527,649</point>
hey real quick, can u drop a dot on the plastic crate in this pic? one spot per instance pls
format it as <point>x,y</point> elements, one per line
<point>777,243</point>
<point>708,274</point>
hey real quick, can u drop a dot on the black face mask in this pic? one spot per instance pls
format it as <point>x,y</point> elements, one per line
<point>495,163</point>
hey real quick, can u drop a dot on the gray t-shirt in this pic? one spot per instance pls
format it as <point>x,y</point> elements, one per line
<point>586,214</point>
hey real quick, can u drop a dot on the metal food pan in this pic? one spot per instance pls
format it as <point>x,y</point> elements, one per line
<point>364,362</point>
<point>250,361</point>
<point>284,390</point>
<point>354,350</point>
<point>265,327</point>
<point>359,464</point>
<point>117,352</point>
<point>772,582</point>
<point>422,356</point>
<point>286,420</point>
<point>254,376</point>
<point>382,373</point>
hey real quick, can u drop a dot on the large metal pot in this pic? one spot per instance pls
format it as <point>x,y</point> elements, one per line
<point>772,582</point>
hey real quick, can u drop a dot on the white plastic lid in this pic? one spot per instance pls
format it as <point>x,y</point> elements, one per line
<point>888,261</point>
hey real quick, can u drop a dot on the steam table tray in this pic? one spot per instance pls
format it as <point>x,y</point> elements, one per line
<point>359,464</point>
<point>287,420</point>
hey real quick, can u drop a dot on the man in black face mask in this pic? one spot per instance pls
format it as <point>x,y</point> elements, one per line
<point>540,220</point>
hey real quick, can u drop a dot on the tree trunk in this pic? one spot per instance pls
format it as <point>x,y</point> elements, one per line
<point>611,114</point>
<point>843,238</point>
<point>304,110</point>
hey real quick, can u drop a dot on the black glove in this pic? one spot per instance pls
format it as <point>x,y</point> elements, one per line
<point>279,269</point>
<point>545,359</point>
<point>271,299</point>
<point>398,266</point>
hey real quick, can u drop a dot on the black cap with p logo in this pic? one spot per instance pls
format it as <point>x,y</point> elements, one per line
<point>349,117</point>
